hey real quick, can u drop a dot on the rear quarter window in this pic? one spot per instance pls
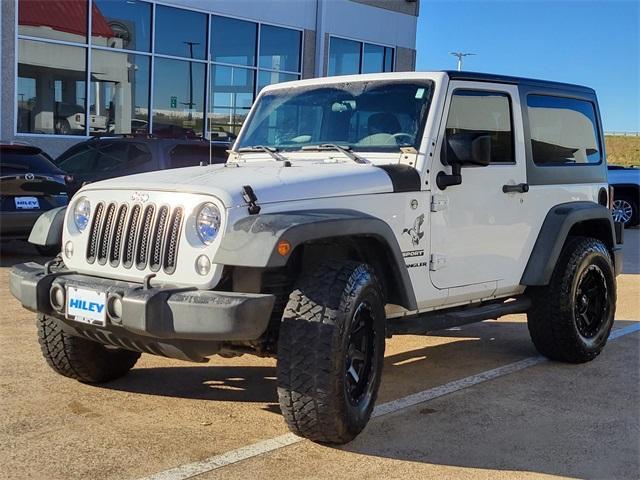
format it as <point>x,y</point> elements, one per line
<point>563,130</point>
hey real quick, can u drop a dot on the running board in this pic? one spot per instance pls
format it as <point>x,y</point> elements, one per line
<point>425,323</point>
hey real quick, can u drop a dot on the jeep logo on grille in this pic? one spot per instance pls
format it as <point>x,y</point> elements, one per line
<point>139,197</point>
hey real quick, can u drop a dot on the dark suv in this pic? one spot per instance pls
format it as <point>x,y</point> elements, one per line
<point>101,158</point>
<point>30,184</point>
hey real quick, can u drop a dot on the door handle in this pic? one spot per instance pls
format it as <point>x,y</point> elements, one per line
<point>519,188</point>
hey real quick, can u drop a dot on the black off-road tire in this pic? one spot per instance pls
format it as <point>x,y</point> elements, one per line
<point>332,308</point>
<point>80,359</point>
<point>555,319</point>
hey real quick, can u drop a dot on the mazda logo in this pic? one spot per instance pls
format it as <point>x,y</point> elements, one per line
<point>29,176</point>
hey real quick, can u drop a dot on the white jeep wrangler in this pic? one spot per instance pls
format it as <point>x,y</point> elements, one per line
<point>350,209</point>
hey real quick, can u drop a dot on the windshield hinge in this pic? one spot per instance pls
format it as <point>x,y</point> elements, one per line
<point>439,202</point>
<point>250,197</point>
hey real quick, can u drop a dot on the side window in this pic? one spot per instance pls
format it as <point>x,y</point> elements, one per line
<point>473,113</point>
<point>193,155</point>
<point>79,160</point>
<point>112,156</point>
<point>563,131</point>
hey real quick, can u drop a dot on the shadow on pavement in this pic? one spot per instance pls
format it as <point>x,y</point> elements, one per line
<point>15,251</point>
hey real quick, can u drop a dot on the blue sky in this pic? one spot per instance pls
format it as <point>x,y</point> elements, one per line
<point>594,43</point>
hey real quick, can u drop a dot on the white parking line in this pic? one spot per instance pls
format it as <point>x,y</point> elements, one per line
<point>234,456</point>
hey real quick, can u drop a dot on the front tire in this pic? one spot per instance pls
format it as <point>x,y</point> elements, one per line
<point>80,359</point>
<point>571,318</point>
<point>330,352</point>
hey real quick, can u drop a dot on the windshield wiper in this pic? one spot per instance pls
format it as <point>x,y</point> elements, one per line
<point>332,146</point>
<point>273,152</point>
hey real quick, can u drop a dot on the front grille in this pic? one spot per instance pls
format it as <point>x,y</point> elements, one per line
<point>144,236</point>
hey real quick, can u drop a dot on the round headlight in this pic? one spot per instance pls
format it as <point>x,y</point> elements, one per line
<point>81,213</point>
<point>208,223</point>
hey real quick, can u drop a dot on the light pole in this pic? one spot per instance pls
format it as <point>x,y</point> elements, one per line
<point>460,55</point>
<point>191,44</point>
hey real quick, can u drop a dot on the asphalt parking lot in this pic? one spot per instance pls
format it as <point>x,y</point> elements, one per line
<point>492,409</point>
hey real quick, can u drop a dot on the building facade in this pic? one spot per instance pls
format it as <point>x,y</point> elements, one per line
<point>72,69</point>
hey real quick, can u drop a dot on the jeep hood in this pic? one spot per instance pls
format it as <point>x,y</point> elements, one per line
<point>271,181</point>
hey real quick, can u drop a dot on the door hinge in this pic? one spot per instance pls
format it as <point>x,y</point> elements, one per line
<point>439,202</point>
<point>436,262</point>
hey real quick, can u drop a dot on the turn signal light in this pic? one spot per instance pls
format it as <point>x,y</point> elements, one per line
<point>284,247</point>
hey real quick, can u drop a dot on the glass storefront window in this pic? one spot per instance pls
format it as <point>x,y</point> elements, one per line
<point>372,58</point>
<point>119,93</point>
<point>344,57</point>
<point>280,48</point>
<point>348,57</point>
<point>233,41</point>
<point>51,88</point>
<point>178,98</point>
<point>267,78</point>
<point>231,98</point>
<point>181,33</point>
<point>58,20</point>
<point>121,24</point>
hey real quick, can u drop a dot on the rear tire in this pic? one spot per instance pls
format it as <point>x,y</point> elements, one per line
<point>62,127</point>
<point>571,318</point>
<point>80,359</point>
<point>330,352</point>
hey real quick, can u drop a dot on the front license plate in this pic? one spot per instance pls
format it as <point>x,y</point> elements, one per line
<point>86,306</point>
<point>27,203</point>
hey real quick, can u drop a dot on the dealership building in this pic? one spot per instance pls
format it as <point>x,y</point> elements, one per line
<point>72,69</point>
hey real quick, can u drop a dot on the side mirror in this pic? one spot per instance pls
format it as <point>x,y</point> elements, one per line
<point>463,149</point>
<point>468,149</point>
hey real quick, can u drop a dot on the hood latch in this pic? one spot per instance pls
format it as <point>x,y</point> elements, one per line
<point>250,197</point>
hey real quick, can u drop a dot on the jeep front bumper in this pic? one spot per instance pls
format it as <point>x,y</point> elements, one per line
<point>157,319</point>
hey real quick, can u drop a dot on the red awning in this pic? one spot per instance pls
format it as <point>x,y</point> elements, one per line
<point>63,15</point>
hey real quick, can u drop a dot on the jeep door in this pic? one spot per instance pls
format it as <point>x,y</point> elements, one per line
<point>478,232</point>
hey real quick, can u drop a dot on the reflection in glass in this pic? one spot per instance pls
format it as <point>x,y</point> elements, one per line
<point>122,24</point>
<point>280,48</point>
<point>268,78</point>
<point>388,59</point>
<point>60,20</point>
<point>373,58</point>
<point>231,99</point>
<point>178,98</point>
<point>119,92</point>
<point>51,88</point>
<point>233,41</point>
<point>344,57</point>
<point>182,33</point>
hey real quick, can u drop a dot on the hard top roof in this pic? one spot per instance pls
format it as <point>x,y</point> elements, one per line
<point>490,77</point>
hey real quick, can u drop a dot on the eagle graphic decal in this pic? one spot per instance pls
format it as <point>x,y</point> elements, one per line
<point>416,232</point>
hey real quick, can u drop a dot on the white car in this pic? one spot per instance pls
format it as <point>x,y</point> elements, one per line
<point>350,209</point>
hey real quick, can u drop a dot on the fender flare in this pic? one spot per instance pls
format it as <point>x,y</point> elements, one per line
<point>47,231</point>
<point>253,240</point>
<point>554,232</point>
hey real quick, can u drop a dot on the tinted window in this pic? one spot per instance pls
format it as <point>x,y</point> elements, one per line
<point>182,33</point>
<point>373,59</point>
<point>474,113</point>
<point>267,78</point>
<point>14,160</point>
<point>61,20</point>
<point>178,98</point>
<point>121,155</point>
<point>233,41</point>
<point>119,92</point>
<point>192,155</point>
<point>78,159</point>
<point>51,88</point>
<point>280,48</point>
<point>122,24</point>
<point>563,131</point>
<point>344,57</point>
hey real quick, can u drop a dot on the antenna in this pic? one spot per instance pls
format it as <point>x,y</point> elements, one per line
<point>460,56</point>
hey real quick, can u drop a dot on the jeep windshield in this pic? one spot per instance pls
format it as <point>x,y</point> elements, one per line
<point>375,116</point>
